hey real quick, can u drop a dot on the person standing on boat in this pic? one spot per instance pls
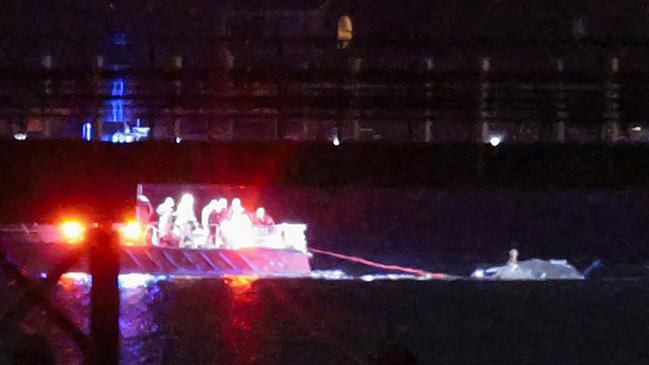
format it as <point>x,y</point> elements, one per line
<point>208,211</point>
<point>185,219</point>
<point>263,224</point>
<point>143,210</point>
<point>262,218</point>
<point>215,221</point>
<point>221,212</point>
<point>235,208</point>
<point>210,219</point>
<point>512,270</point>
<point>165,219</point>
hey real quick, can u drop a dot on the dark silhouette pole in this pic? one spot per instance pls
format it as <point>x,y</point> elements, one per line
<point>104,315</point>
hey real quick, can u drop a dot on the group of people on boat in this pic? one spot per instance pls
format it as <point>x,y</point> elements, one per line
<point>220,224</point>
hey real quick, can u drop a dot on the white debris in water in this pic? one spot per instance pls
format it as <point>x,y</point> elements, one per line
<point>340,275</point>
<point>533,269</point>
<point>373,277</point>
<point>329,275</point>
<point>367,278</point>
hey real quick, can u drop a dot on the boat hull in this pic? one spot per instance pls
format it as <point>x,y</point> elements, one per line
<point>36,258</point>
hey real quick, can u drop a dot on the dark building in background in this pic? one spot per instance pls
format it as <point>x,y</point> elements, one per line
<point>402,71</point>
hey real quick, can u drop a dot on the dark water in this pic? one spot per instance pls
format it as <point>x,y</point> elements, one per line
<point>305,321</point>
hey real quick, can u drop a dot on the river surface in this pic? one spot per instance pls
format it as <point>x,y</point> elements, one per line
<point>318,321</point>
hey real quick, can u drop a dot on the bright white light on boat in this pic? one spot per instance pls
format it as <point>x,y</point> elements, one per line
<point>73,231</point>
<point>131,233</point>
<point>77,276</point>
<point>178,139</point>
<point>129,281</point>
<point>294,234</point>
<point>20,136</point>
<point>239,231</point>
<point>495,140</point>
<point>336,141</point>
<point>637,128</point>
<point>72,280</point>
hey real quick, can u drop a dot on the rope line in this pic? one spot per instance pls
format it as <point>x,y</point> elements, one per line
<point>379,265</point>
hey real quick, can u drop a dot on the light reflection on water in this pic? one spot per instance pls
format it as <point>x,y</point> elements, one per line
<point>147,338</point>
<point>249,321</point>
<point>240,333</point>
<point>187,320</point>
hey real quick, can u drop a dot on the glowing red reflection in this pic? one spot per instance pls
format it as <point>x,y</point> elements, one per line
<point>240,283</point>
<point>244,333</point>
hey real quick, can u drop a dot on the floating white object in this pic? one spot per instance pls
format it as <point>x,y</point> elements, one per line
<point>532,269</point>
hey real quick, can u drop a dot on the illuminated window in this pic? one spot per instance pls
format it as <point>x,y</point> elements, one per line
<point>345,31</point>
<point>118,88</point>
<point>117,109</point>
<point>120,39</point>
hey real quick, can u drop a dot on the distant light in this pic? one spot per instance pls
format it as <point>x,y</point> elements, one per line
<point>86,131</point>
<point>20,136</point>
<point>120,39</point>
<point>73,231</point>
<point>336,141</point>
<point>46,61</point>
<point>117,108</point>
<point>177,62</point>
<point>43,275</point>
<point>178,139</point>
<point>637,128</point>
<point>118,88</point>
<point>132,233</point>
<point>99,61</point>
<point>495,140</point>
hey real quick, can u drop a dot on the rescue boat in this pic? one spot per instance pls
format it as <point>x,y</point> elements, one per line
<point>233,246</point>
